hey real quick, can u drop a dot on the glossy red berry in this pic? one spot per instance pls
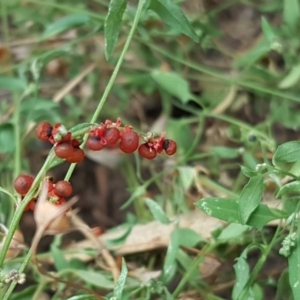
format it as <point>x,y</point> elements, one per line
<point>170,147</point>
<point>111,136</point>
<point>64,150</point>
<point>77,155</point>
<point>147,152</point>
<point>63,188</point>
<point>44,131</point>
<point>94,143</point>
<point>129,141</point>
<point>23,183</point>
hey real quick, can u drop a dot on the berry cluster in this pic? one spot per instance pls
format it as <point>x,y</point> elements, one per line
<point>65,146</point>
<point>57,192</point>
<point>106,134</point>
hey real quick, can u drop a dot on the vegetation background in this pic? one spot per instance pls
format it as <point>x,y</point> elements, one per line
<point>222,79</point>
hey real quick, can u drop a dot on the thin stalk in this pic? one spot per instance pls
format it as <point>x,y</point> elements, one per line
<point>112,78</point>
<point>20,209</point>
<point>17,135</point>
<point>193,268</point>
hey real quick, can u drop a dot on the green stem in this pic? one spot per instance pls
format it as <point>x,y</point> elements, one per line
<point>224,77</point>
<point>112,78</point>
<point>17,136</point>
<point>5,28</point>
<point>19,211</point>
<point>192,269</point>
<point>21,270</point>
<point>259,265</point>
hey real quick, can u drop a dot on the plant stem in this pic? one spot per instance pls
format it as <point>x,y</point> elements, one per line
<point>112,78</point>
<point>17,135</point>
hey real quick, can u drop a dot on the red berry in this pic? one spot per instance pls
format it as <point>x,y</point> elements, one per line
<point>170,147</point>
<point>23,183</point>
<point>147,152</point>
<point>44,131</point>
<point>77,155</point>
<point>64,150</point>
<point>63,188</point>
<point>129,141</point>
<point>111,136</point>
<point>94,143</point>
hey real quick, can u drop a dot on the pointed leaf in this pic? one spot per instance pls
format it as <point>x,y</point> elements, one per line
<point>174,84</point>
<point>291,14</point>
<point>172,15</point>
<point>289,188</point>
<point>291,78</point>
<point>187,176</point>
<point>118,289</point>
<point>112,25</point>
<point>267,30</point>
<point>65,23</point>
<point>187,237</point>
<point>227,210</point>
<point>294,268</point>
<point>250,197</point>
<point>233,231</point>
<point>94,278</point>
<point>12,84</point>
<point>157,211</point>
<point>287,152</point>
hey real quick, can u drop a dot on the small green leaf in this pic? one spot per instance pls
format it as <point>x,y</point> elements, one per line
<point>289,188</point>
<point>112,25</point>
<point>138,192</point>
<point>287,152</point>
<point>65,23</point>
<point>12,84</point>
<point>291,78</point>
<point>118,289</point>
<point>157,211</point>
<point>242,273</point>
<point>291,15</point>
<point>187,237</point>
<point>187,176</point>
<point>294,268</point>
<point>250,197</point>
<point>94,278</point>
<point>82,297</point>
<point>174,84</point>
<point>267,30</point>
<point>227,210</point>
<point>7,143</point>
<point>60,261</point>
<point>170,259</point>
<point>172,15</point>
<point>233,231</point>
<point>226,152</point>
<point>283,287</point>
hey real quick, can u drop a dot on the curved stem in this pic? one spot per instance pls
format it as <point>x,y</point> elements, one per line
<point>112,78</point>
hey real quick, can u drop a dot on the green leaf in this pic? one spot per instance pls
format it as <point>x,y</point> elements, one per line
<point>187,176</point>
<point>29,105</point>
<point>12,84</point>
<point>82,297</point>
<point>250,197</point>
<point>291,78</point>
<point>94,278</point>
<point>294,268</point>
<point>157,211</point>
<point>3,190</point>
<point>227,210</point>
<point>226,152</point>
<point>138,192</point>
<point>25,294</point>
<point>7,142</point>
<point>267,30</point>
<point>233,231</point>
<point>60,261</point>
<point>291,15</point>
<point>187,237</point>
<point>242,273</point>
<point>287,152</point>
<point>174,84</point>
<point>289,188</point>
<point>112,25</point>
<point>170,259</point>
<point>172,15</point>
<point>248,172</point>
<point>118,289</point>
<point>283,287</point>
<point>65,23</point>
